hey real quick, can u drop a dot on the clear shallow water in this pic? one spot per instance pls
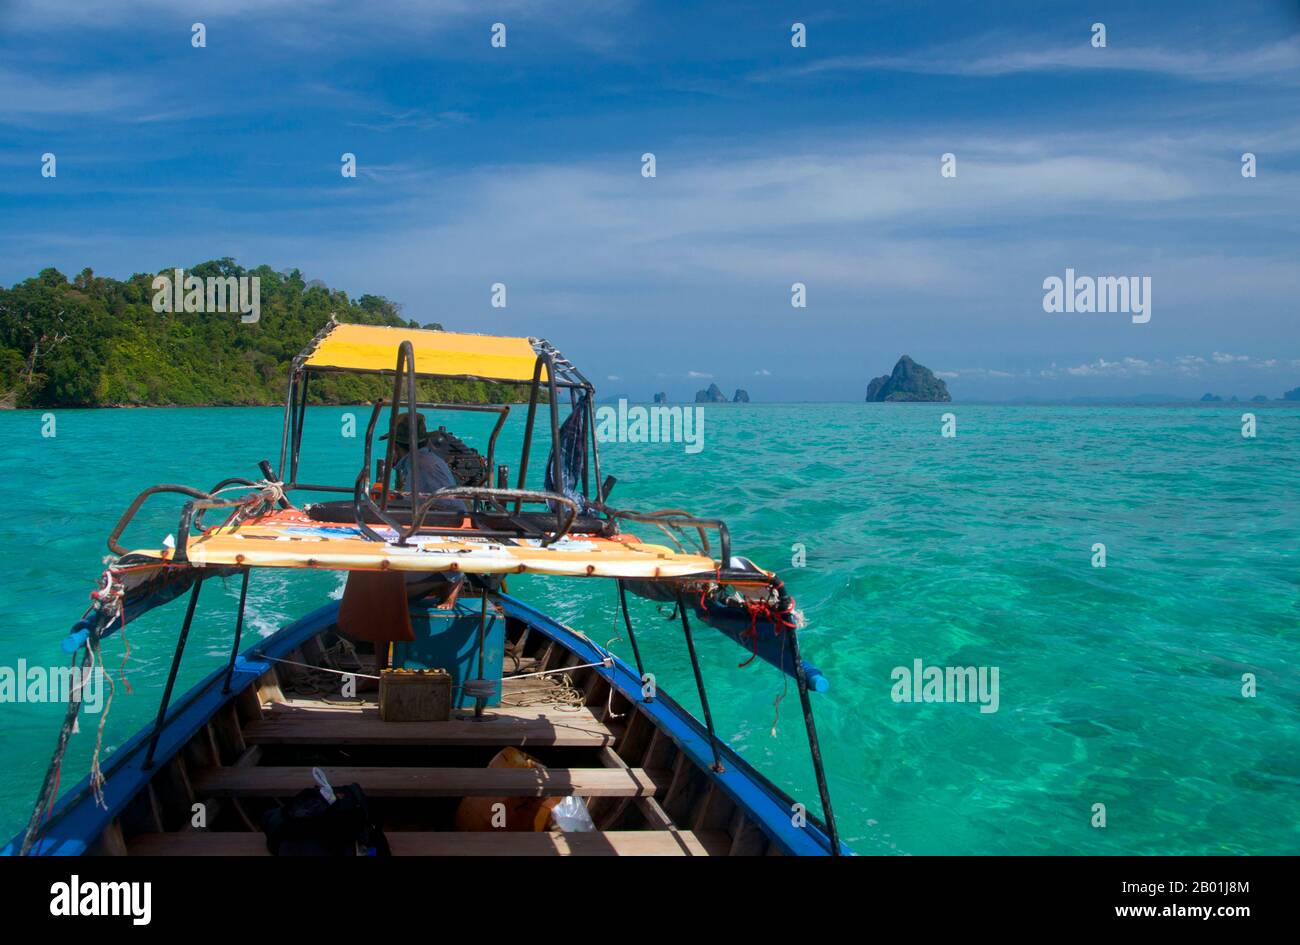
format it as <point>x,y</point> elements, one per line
<point>1119,686</point>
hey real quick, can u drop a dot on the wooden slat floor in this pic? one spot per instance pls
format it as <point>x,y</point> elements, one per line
<point>281,726</point>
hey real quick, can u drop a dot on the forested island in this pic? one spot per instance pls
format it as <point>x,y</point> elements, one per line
<point>97,342</point>
<point>909,382</point>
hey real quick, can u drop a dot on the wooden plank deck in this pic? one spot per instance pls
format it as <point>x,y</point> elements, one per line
<point>497,843</point>
<point>259,749</point>
<point>285,781</point>
<point>309,723</point>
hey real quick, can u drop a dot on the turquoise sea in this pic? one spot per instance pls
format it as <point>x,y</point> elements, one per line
<point>1119,686</point>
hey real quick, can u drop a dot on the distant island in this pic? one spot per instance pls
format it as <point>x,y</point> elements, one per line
<point>97,342</point>
<point>908,383</point>
<point>713,395</point>
<point>1288,396</point>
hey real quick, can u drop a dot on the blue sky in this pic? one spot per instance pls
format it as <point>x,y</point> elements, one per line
<point>775,165</point>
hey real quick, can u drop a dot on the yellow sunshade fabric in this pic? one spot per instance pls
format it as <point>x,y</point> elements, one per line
<point>437,353</point>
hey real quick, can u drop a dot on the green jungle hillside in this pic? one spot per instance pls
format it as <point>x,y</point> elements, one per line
<point>97,342</point>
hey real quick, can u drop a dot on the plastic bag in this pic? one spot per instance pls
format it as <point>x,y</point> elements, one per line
<point>571,816</point>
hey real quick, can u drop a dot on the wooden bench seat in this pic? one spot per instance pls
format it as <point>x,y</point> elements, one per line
<point>305,724</point>
<point>499,843</point>
<point>277,781</point>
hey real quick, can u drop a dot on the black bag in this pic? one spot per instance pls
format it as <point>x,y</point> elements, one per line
<point>311,826</point>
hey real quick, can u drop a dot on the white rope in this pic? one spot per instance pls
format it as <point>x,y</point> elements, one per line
<point>560,693</point>
<point>323,669</point>
<point>608,661</point>
<point>272,491</point>
<point>74,692</point>
<point>275,490</point>
<point>340,672</point>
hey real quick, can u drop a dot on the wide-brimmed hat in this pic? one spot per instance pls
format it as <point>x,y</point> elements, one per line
<point>403,435</point>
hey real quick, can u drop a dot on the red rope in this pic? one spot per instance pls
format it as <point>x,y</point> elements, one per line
<point>779,619</point>
<point>752,635</point>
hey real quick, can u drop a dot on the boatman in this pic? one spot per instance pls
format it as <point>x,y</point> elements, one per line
<point>434,473</point>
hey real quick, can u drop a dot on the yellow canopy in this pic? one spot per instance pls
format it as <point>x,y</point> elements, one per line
<point>437,353</point>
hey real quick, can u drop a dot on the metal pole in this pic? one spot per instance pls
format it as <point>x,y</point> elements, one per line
<point>631,635</point>
<point>528,427</point>
<point>480,701</point>
<point>392,427</point>
<point>288,418</point>
<point>699,684</point>
<point>413,447</point>
<point>813,745</point>
<point>298,425</point>
<point>171,677</point>
<point>239,631</point>
<point>595,446</point>
<point>557,463</point>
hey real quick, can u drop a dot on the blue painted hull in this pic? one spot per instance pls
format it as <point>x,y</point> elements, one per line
<point>769,807</point>
<point>76,821</point>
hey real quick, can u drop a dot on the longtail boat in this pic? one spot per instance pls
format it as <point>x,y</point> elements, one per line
<point>539,714</point>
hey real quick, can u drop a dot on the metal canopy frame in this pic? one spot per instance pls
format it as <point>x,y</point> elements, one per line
<point>561,374</point>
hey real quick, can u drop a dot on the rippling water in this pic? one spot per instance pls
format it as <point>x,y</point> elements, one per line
<point>1119,686</point>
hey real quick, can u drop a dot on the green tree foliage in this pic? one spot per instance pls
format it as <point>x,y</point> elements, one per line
<point>96,341</point>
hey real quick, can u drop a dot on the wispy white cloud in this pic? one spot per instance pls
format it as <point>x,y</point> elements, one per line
<point>976,372</point>
<point>1005,55</point>
<point>410,13</point>
<point>49,94</point>
<point>1182,367</point>
<point>320,26</point>
<point>415,118</point>
<point>841,216</point>
<point>1125,367</point>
